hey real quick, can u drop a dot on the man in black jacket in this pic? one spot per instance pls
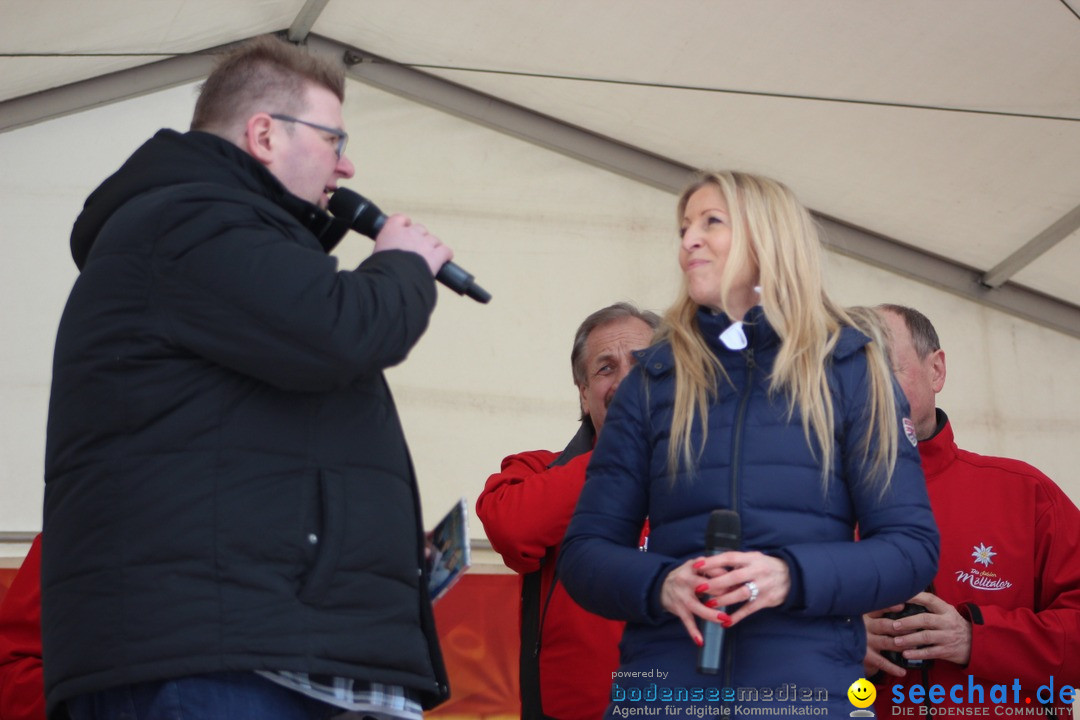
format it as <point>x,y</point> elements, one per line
<point>232,526</point>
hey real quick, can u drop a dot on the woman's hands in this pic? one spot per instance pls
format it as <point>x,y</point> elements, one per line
<point>724,580</point>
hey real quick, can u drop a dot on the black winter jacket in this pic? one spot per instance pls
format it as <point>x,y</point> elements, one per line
<point>227,482</point>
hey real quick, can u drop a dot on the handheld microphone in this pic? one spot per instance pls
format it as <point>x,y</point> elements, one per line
<point>367,219</point>
<point>723,533</point>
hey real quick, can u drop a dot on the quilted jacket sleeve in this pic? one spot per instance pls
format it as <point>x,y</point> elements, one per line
<point>897,552</point>
<point>600,564</point>
<point>251,290</point>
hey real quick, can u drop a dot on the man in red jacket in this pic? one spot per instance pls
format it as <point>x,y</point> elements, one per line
<point>567,654</point>
<point>1001,629</point>
<point>22,689</point>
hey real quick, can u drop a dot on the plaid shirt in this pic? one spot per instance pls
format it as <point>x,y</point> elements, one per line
<point>375,700</point>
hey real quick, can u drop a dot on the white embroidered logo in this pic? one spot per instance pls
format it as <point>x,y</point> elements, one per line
<point>983,579</point>
<point>983,554</point>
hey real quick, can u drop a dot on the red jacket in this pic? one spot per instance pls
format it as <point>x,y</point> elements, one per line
<point>525,510</point>
<point>22,690</point>
<point>1010,563</point>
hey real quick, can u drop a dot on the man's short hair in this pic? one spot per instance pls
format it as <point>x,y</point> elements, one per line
<point>265,74</point>
<point>923,334</point>
<point>601,317</point>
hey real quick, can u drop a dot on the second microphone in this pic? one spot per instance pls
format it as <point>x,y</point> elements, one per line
<point>723,533</point>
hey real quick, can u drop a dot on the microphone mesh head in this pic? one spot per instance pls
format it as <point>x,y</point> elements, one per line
<point>362,215</point>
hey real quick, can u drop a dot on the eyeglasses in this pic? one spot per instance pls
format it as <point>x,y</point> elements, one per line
<point>341,135</point>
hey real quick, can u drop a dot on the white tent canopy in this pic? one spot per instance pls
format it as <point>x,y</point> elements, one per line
<point>939,142</point>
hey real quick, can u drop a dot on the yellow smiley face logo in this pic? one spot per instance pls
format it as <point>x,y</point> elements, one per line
<point>862,693</point>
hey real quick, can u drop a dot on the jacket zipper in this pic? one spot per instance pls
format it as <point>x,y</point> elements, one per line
<point>736,461</point>
<point>543,616</point>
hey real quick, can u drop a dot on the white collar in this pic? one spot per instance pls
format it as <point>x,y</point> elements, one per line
<point>733,337</point>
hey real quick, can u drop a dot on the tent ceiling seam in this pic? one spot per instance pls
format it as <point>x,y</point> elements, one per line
<point>732,91</point>
<point>305,20</point>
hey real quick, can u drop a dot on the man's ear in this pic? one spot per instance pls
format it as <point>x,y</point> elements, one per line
<point>937,370</point>
<point>582,401</point>
<point>259,138</point>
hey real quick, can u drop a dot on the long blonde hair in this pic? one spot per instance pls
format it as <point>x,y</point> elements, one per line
<point>772,229</point>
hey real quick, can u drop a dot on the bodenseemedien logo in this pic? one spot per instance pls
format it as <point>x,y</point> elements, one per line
<point>704,701</point>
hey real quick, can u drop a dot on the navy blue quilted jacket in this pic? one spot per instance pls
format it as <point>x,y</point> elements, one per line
<point>757,462</point>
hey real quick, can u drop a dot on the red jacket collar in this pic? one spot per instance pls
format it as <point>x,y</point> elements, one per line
<point>939,451</point>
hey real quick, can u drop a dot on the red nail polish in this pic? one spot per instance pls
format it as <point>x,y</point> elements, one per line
<point>699,564</point>
<point>711,603</point>
<point>724,619</point>
<point>701,588</point>
<point>698,641</point>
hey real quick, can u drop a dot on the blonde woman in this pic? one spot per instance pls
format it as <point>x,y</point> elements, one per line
<point>761,397</point>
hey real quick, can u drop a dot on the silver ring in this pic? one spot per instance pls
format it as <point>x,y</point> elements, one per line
<point>753,591</point>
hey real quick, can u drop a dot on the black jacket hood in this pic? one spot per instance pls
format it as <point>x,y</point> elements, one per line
<point>173,158</point>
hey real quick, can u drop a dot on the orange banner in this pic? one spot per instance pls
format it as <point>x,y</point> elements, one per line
<point>478,629</point>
